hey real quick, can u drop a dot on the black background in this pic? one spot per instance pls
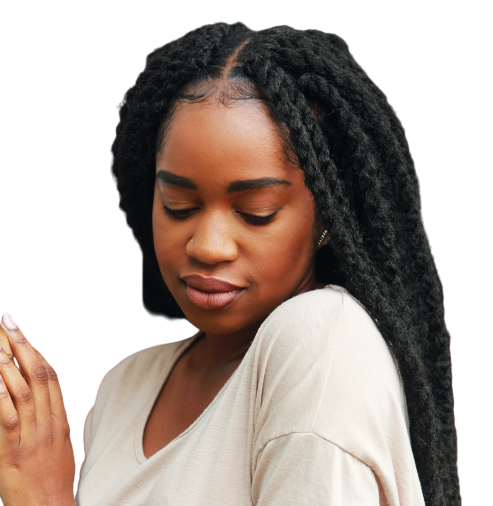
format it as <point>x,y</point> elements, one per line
<point>69,270</point>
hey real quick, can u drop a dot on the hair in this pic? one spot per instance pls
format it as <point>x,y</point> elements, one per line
<point>357,165</point>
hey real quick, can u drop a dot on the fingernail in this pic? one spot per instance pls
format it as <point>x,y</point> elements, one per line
<point>8,322</point>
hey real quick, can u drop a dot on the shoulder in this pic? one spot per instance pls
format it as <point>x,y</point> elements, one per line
<point>326,322</point>
<point>132,365</point>
<point>324,367</point>
<point>128,376</point>
<point>313,324</point>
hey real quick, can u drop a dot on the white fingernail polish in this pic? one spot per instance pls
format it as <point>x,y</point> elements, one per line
<point>8,322</point>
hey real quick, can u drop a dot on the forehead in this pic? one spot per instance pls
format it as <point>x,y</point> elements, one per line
<point>211,139</point>
<point>240,118</point>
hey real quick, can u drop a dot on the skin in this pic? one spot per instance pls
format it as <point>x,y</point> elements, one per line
<point>214,145</point>
<point>37,463</point>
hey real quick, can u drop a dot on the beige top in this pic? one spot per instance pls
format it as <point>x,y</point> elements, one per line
<point>315,414</point>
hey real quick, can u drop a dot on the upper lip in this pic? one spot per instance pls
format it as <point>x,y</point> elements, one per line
<point>209,284</point>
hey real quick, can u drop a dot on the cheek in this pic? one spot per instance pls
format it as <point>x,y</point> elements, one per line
<point>299,230</point>
<point>170,257</point>
<point>165,240</point>
<point>288,253</point>
<point>297,246</point>
<point>164,253</point>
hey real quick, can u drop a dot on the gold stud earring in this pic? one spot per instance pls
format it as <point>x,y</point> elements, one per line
<point>324,239</point>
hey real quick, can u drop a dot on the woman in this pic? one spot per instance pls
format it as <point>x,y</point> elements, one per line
<point>271,189</point>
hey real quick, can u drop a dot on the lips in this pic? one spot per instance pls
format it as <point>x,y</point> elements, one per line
<point>210,300</point>
<point>209,284</point>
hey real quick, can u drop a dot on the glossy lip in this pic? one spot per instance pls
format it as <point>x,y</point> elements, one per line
<point>213,285</point>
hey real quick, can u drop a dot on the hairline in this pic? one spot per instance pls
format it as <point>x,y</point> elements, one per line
<point>223,90</point>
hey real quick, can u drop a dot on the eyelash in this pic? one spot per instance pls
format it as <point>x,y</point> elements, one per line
<point>183,214</point>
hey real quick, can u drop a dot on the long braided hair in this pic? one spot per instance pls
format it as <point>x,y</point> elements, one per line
<point>357,165</point>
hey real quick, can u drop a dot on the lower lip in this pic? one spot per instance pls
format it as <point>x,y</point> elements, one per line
<point>210,300</point>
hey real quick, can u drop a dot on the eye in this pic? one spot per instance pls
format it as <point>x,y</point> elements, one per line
<point>252,219</point>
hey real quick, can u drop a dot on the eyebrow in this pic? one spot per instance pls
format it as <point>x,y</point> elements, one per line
<point>234,186</point>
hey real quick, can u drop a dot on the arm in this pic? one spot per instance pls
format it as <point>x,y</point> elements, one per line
<point>304,469</point>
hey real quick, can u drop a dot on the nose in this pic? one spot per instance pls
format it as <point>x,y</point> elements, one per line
<point>213,239</point>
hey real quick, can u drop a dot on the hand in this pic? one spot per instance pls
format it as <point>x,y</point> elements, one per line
<point>37,465</point>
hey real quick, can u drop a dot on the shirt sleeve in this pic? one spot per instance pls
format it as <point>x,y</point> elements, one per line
<point>301,469</point>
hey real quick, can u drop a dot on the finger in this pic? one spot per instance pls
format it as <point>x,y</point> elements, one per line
<point>5,344</point>
<point>56,398</point>
<point>9,419</point>
<point>35,381</point>
<point>21,416</point>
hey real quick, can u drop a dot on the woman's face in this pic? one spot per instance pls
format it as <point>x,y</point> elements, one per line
<point>208,151</point>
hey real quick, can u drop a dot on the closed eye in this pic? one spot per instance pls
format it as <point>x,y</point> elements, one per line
<point>252,219</point>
